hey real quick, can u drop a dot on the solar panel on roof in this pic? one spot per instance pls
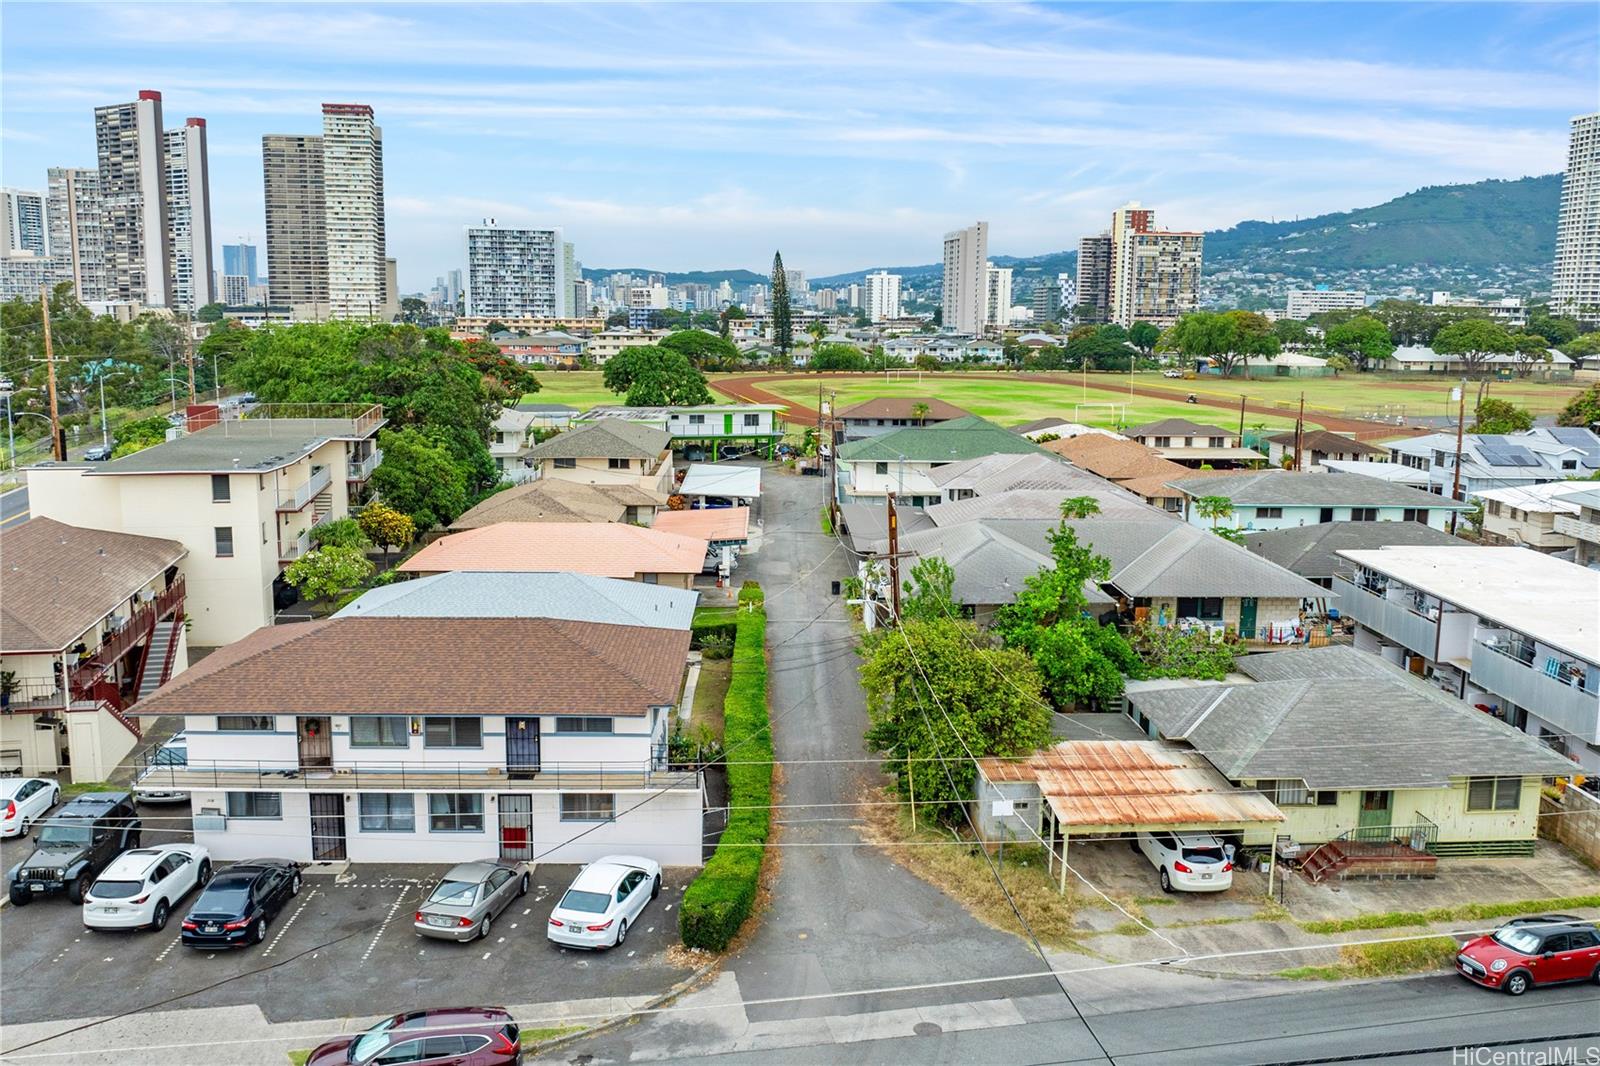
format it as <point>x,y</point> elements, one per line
<point>1507,455</point>
<point>1576,436</point>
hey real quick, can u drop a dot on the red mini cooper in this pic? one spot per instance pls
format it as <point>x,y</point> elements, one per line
<point>1533,951</point>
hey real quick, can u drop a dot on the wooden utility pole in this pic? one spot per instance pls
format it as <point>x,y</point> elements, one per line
<point>188,351</point>
<point>1300,435</point>
<point>58,440</point>
<point>1461,425</point>
<point>894,559</point>
<point>1241,420</point>
<point>819,428</point>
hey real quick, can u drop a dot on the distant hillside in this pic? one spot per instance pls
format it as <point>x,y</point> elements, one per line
<point>1487,223</point>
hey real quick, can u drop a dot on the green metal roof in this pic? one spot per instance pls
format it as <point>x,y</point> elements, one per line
<point>946,442</point>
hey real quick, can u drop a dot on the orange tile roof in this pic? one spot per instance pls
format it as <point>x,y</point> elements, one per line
<point>711,523</point>
<point>601,549</point>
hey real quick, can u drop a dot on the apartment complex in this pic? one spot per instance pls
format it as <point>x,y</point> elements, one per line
<point>1509,311</point>
<point>22,222</point>
<point>242,496</point>
<point>75,230</point>
<point>1137,273</point>
<point>966,279</point>
<point>880,296</point>
<point>1303,303</point>
<point>326,245</point>
<point>1510,631</point>
<point>1575,287</point>
<point>517,273</point>
<point>131,144</point>
<point>189,215</point>
<point>997,306</point>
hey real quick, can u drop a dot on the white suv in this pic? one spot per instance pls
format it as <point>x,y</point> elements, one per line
<point>1189,862</point>
<point>140,887</point>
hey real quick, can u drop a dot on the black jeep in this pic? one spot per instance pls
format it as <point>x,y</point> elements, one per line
<point>74,845</point>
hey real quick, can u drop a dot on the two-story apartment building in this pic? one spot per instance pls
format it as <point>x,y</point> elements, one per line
<point>1317,446</point>
<point>900,461</point>
<point>717,429</point>
<point>885,414</point>
<point>510,444</point>
<point>242,496</point>
<point>89,622</point>
<point>610,549</point>
<point>552,348</point>
<point>442,747</point>
<point>609,342</point>
<point>1583,528</point>
<point>1283,499</point>
<point>1193,443</point>
<point>612,451</point>
<point>1512,632</point>
<point>1525,515</point>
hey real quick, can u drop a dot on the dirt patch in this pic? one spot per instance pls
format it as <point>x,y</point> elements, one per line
<point>708,695</point>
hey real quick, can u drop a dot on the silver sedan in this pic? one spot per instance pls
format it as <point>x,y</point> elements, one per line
<point>468,898</point>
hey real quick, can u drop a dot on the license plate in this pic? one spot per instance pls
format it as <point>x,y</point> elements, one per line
<point>213,928</point>
<point>1205,877</point>
<point>574,927</point>
<point>36,888</point>
<point>442,923</point>
<point>108,910</point>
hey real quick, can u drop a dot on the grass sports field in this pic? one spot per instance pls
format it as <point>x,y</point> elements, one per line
<point>580,388</point>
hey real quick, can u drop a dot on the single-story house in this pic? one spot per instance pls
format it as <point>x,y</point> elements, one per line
<point>1136,467</point>
<point>1311,551</point>
<point>609,452</point>
<point>1193,443</point>
<point>1282,499</point>
<point>1319,445</point>
<point>604,549</point>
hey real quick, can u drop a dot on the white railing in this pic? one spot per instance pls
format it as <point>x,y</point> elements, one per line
<point>1558,700</point>
<point>296,548</point>
<point>1576,528</point>
<point>361,469</point>
<point>1390,618</point>
<point>296,498</point>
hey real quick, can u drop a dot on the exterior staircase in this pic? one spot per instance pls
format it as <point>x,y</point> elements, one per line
<point>1405,854</point>
<point>163,649</point>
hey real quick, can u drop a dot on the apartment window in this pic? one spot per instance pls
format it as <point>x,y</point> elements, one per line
<point>1205,608</point>
<point>751,421</point>
<point>379,731</point>
<point>455,812</point>
<point>1269,512</point>
<point>1494,793</point>
<point>224,535</point>
<point>588,807</point>
<point>616,464</point>
<point>1494,507</point>
<point>264,805</point>
<point>388,812</point>
<point>220,489</point>
<point>697,420</point>
<point>452,732</point>
<point>1325,514</point>
<point>566,464</point>
<point>880,468</point>
<point>1163,442</point>
<point>1420,514</point>
<point>245,723</point>
<point>583,725</point>
<point>1216,442</point>
<point>1363,514</point>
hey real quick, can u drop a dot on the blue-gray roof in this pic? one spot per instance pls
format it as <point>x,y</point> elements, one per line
<point>572,597</point>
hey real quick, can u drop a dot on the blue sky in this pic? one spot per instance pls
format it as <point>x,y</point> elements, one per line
<point>689,136</point>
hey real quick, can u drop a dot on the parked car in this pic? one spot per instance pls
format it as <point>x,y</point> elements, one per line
<point>1188,862</point>
<point>460,1036</point>
<point>23,801</point>
<point>465,902</point>
<point>1525,952</point>
<point>140,887</point>
<point>603,899</point>
<point>155,783</point>
<point>239,902</point>
<point>97,453</point>
<point>76,843</point>
<point>1172,373</point>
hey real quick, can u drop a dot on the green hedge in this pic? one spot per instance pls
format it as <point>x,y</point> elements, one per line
<point>721,898</point>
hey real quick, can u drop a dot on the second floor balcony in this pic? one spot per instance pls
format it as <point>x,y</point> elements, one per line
<point>297,497</point>
<point>397,776</point>
<point>1559,690</point>
<point>361,468</point>
<point>1401,619</point>
<point>1576,527</point>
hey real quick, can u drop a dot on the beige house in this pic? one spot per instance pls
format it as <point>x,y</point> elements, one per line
<point>1526,515</point>
<point>612,451</point>
<point>1194,443</point>
<point>90,621</point>
<point>606,343</point>
<point>1584,528</point>
<point>553,500</point>
<point>242,496</point>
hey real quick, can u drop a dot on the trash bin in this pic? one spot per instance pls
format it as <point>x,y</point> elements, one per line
<point>836,587</point>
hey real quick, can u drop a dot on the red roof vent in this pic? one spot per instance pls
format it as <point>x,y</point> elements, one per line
<point>195,122</point>
<point>149,94</point>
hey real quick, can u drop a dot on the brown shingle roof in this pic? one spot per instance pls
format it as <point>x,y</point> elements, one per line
<point>1321,440</point>
<point>610,438</point>
<point>1178,427</point>
<point>1113,459</point>
<point>434,666</point>
<point>900,407</point>
<point>555,500</point>
<point>58,580</point>
<point>604,549</point>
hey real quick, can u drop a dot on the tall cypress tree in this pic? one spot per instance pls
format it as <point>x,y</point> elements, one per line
<point>782,317</point>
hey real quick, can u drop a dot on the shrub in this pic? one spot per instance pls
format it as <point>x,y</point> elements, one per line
<point>722,897</point>
<point>713,634</point>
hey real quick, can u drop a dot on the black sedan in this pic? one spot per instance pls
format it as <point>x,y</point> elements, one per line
<point>239,901</point>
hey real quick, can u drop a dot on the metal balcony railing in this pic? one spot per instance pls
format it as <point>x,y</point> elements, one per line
<point>295,499</point>
<point>297,547</point>
<point>359,775</point>
<point>1575,527</point>
<point>361,469</point>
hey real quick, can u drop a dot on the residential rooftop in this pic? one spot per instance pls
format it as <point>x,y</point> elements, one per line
<point>1555,602</point>
<point>610,439</point>
<point>1178,427</point>
<point>1321,440</point>
<point>968,437</point>
<point>605,549</point>
<point>1292,488</point>
<point>555,500</point>
<point>1312,551</point>
<point>902,407</point>
<point>565,596</point>
<point>1556,497</point>
<point>253,445</point>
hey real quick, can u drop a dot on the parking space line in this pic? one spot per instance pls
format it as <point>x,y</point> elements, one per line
<point>395,906</point>
<point>168,949</point>
<point>285,928</point>
<point>486,954</point>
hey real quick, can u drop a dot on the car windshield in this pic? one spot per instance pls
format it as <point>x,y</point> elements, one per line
<point>1518,940</point>
<point>75,835</point>
<point>455,893</point>
<point>370,1043</point>
<point>116,889</point>
<point>587,902</point>
<point>1209,853</point>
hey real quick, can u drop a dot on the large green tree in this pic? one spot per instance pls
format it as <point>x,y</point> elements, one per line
<point>1362,339</point>
<point>1500,416</point>
<point>782,313</point>
<point>1143,336</point>
<point>420,478</point>
<point>705,351</point>
<point>1475,340</point>
<point>1227,339</point>
<point>323,573</point>
<point>651,376</point>
<point>838,357</point>
<point>1583,409</point>
<point>935,693</point>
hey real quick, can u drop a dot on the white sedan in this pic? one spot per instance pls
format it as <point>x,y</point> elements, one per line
<point>140,887</point>
<point>23,802</point>
<point>605,897</point>
<point>1189,862</point>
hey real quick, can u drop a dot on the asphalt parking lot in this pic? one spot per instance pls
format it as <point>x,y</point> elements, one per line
<point>343,947</point>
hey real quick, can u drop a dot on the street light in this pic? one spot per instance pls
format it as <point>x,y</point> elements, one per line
<point>11,437</point>
<point>105,433</point>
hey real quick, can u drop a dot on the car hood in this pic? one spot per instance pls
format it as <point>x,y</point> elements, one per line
<point>54,856</point>
<point>334,1051</point>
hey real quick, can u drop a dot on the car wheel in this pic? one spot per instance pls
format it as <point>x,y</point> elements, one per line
<point>133,840</point>
<point>55,797</point>
<point>75,889</point>
<point>1595,977</point>
<point>622,933</point>
<point>261,930</point>
<point>1133,843</point>
<point>522,886</point>
<point>483,930</point>
<point>1166,880</point>
<point>159,920</point>
<point>22,831</point>
<point>655,887</point>
<point>20,897</point>
<point>294,886</point>
<point>205,872</point>
<point>1516,984</point>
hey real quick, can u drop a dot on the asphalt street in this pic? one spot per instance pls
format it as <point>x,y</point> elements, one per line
<point>14,507</point>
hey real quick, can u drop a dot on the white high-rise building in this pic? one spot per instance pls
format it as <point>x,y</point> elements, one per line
<point>236,290</point>
<point>966,279</point>
<point>352,183</point>
<point>879,295</point>
<point>1303,303</point>
<point>997,305</point>
<point>569,272</point>
<point>135,233</point>
<point>189,215</point>
<point>24,225</point>
<point>75,214</point>
<point>516,273</point>
<point>1575,288</point>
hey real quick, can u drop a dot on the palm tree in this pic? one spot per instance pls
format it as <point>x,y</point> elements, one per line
<point>1213,507</point>
<point>919,411</point>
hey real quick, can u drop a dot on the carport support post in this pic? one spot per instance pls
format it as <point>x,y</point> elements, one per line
<point>1063,884</point>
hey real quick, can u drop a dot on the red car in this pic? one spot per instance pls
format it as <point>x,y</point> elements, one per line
<point>1533,951</point>
<point>444,1036</point>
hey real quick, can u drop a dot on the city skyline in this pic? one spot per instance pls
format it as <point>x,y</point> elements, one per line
<point>823,130</point>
